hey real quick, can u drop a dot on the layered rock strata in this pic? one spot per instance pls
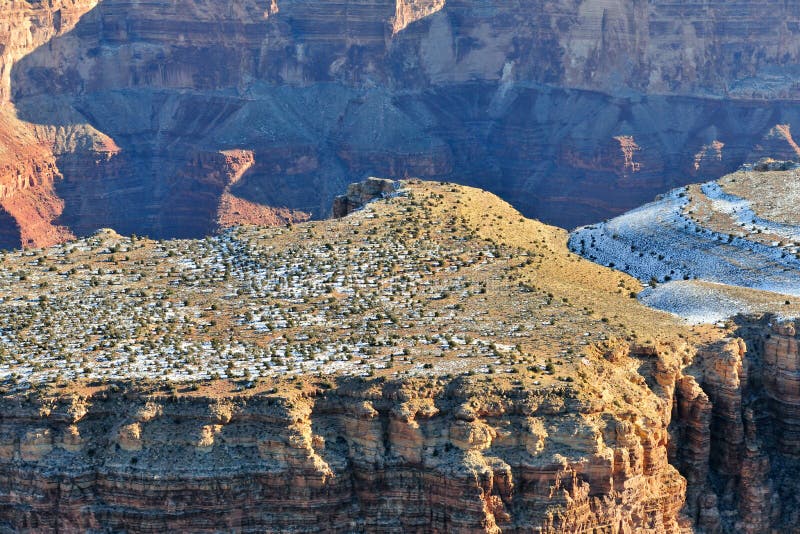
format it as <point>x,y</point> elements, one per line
<point>420,454</point>
<point>578,44</point>
<point>708,446</point>
<point>733,429</point>
<point>781,382</point>
<point>379,457</point>
<point>574,111</point>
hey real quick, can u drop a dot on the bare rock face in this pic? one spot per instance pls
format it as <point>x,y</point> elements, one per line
<point>574,112</point>
<point>580,44</point>
<point>733,431</point>
<point>409,11</point>
<point>367,457</point>
<point>361,193</point>
<point>708,448</point>
<point>27,25</point>
<point>691,432</point>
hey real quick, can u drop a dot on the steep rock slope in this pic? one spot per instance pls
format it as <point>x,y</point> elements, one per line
<point>375,457</point>
<point>726,252</point>
<point>753,450</point>
<point>711,448</point>
<point>586,105</point>
<point>28,203</point>
<point>362,395</point>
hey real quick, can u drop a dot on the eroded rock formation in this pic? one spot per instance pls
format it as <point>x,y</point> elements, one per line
<point>430,455</point>
<point>736,411</point>
<point>358,194</point>
<point>591,106</point>
<point>710,447</point>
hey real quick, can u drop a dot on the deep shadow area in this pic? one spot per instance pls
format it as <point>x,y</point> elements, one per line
<point>174,87</point>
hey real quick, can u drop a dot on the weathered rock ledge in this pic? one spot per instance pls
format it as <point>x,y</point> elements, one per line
<point>421,455</point>
<point>359,194</point>
<point>712,449</point>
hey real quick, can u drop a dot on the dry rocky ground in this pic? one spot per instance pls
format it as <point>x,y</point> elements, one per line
<point>437,280</point>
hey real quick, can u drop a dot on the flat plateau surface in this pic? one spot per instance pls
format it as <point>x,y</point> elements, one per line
<point>436,280</point>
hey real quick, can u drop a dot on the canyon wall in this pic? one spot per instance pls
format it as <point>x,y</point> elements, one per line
<point>573,110</point>
<point>28,168</point>
<point>426,455</point>
<point>710,446</point>
<point>738,49</point>
<point>735,430</point>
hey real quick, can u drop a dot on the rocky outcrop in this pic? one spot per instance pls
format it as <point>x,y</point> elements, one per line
<point>430,455</point>
<point>781,383</point>
<point>361,193</point>
<point>707,448</point>
<point>731,423</point>
<point>733,432</point>
<point>409,11</point>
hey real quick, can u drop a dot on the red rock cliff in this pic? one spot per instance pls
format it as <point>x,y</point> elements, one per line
<point>427,456</point>
<point>574,111</point>
<point>706,447</point>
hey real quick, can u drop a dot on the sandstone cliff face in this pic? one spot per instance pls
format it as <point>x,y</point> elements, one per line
<point>426,456</point>
<point>409,11</point>
<point>26,25</point>
<point>736,411</point>
<point>29,206</point>
<point>735,49</point>
<point>708,448</point>
<point>781,368</point>
<point>563,106</point>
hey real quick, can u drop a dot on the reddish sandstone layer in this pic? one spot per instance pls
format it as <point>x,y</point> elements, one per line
<point>29,206</point>
<point>380,457</point>
<point>26,25</point>
<point>235,211</point>
<point>548,108</point>
<point>735,430</point>
<point>429,454</point>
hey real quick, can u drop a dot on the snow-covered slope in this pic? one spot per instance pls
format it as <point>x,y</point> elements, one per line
<point>701,233</point>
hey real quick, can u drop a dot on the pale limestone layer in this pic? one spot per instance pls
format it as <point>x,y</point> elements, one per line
<point>709,445</point>
<point>389,456</point>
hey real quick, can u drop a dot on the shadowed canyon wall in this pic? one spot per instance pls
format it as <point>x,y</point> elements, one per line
<point>176,118</point>
<point>735,430</point>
